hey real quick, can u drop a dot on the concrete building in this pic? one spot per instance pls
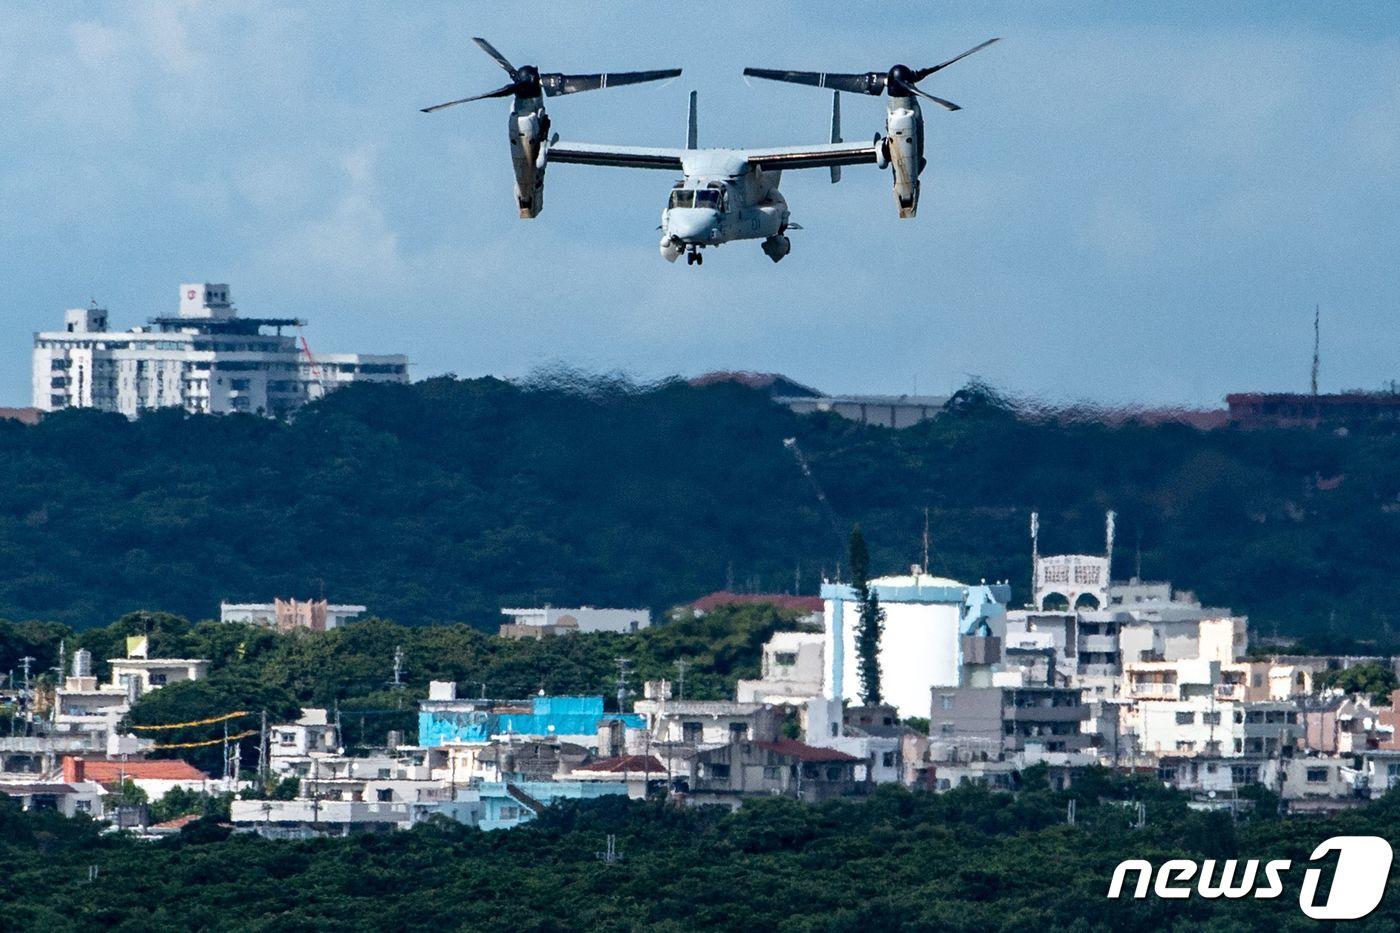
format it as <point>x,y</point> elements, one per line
<point>206,358</point>
<point>287,615</point>
<point>1033,722</point>
<point>727,773</point>
<point>926,618</point>
<point>443,718</point>
<point>793,668</point>
<point>537,623</point>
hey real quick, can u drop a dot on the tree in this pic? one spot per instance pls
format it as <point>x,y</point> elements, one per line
<point>1376,680</point>
<point>872,621</point>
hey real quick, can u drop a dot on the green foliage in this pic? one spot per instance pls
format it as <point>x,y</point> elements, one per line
<point>445,500</point>
<point>871,623</point>
<point>1372,678</point>
<point>179,801</point>
<point>350,669</point>
<point>968,860</point>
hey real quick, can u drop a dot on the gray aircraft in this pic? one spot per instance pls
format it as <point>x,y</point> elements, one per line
<point>904,122</point>
<point>724,194</point>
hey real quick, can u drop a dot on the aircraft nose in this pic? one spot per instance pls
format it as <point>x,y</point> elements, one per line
<point>692,224</point>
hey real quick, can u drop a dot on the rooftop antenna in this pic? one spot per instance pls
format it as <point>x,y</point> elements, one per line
<point>1317,344</point>
<point>1137,566</point>
<point>925,539</point>
<point>1109,521</point>
<point>680,669</point>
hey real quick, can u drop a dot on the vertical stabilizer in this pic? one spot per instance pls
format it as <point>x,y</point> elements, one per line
<point>835,131</point>
<point>692,133</point>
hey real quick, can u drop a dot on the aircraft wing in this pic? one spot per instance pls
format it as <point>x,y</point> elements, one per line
<point>822,156</point>
<point>620,156</point>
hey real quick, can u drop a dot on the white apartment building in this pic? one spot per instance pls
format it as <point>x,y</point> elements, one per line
<point>204,359</point>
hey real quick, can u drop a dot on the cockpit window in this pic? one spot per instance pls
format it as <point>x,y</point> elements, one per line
<point>711,198</point>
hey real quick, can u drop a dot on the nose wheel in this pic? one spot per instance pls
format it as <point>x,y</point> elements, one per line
<point>694,258</point>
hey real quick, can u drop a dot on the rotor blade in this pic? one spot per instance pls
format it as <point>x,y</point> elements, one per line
<point>910,89</point>
<point>925,72</point>
<point>506,91</point>
<point>871,83</point>
<point>490,49</point>
<point>555,84</point>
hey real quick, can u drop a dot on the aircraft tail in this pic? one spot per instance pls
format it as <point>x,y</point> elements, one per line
<point>835,131</point>
<point>692,134</point>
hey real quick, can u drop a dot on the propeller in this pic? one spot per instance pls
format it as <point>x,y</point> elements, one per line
<point>900,80</point>
<point>526,81</point>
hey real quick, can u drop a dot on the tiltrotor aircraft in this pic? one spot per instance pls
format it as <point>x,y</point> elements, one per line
<point>724,194</point>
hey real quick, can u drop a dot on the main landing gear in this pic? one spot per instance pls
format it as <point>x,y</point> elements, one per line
<point>694,257</point>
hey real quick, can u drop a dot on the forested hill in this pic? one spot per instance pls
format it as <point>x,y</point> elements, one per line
<point>450,498</point>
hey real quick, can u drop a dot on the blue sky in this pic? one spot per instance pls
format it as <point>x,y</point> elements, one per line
<point>1135,205</point>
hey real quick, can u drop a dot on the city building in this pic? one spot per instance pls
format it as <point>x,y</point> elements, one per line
<point>443,718</point>
<point>1035,722</point>
<point>888,411</point>
<point>793,667</point>
<point>205,358</point>
<point>287,615</point>
<point>926,618</point>
<point>1295,409</point>
<point>537,623</point>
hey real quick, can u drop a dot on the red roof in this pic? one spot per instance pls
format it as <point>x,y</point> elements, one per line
<point>107,771</point>
<point>806,604</point>
<point>178,823</point>
<point>641,763</point>
<point>804,752</point>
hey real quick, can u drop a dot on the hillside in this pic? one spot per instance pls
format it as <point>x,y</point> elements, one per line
<point>445,500</point>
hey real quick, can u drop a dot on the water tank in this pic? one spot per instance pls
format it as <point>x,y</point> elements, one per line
<point>82,663</point>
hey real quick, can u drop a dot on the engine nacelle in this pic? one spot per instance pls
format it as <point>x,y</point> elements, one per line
<point>904,149</point>
<point>528,129</point>
<point>776,247</point>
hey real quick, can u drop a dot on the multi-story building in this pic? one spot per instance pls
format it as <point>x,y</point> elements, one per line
<point>289,615</point>
<point>996,722</point>
<point>550,620</point>
<point>204,359</point>
<point>926,618</point>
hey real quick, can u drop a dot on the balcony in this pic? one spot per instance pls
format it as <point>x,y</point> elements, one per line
<point>1153,690</point>
<point>1105,644</point>
<point>1032,714</point>
<point>1229,691</point>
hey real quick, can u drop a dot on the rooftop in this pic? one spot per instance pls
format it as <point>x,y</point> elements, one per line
<point>804,752</point>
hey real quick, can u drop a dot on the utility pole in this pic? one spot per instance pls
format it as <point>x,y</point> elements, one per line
<point>398,666</point>
<point>680,668</point>
<point>1317,344</point>
<point>262,752</point>
<point>622,683</point>
<point>925,539</point>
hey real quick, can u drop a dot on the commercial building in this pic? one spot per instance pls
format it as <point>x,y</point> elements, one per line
<point>287,615</point>
<point>443,718</point>
<point>549,620</point>
<point>926,618</point>
<point>206,358</point>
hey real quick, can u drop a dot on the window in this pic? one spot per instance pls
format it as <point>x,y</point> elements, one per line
<point>286,738</point>
<point>738,731</point>
<point>719,772</point>
<point>945,701</point>
<point>240,385</point>
<point>509,813</point>
<point>887,759</point>
<point>1211,718</point>
<point>772,774</point>
<point>157,679</point>
<point>1317,775</point>
<point>833,774</point>
<point>1185,718</point>
<point>946,728</point>
<point>1185,746</point>
<point>384,795</point>
<point>682,198</point>
<point>709,198</point>
<point>785,658</point>
<point>1258,680</point>
<point>83,806</point>
<point>692,731</point>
